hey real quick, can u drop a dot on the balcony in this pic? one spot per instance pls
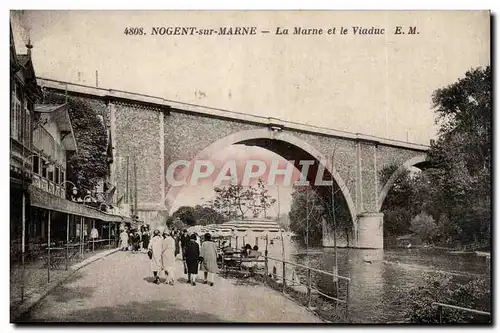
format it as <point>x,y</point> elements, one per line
<point>49,186</point>
<point>44,141</point>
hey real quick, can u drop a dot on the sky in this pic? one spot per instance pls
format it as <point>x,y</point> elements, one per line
<point>377,85</point>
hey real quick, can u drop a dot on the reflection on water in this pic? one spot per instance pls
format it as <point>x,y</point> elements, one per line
<point>380,277</point>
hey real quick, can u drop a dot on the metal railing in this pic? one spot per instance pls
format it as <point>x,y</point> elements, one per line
<point>459,308</point>
<point>310,288</point>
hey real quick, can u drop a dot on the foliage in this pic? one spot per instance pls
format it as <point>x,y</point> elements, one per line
<point>175,223</point>
<point>264,200</point>
<point>306,214</point>
<point>186,215</point>
<point>456,189</point>
<point>284,222</point>
<point>89,165</point>
<point>441,288</point>
<point>198,215</point>
<point>463,153</point>
<point>399,204</point>
<point>317,204</point>
<point>236,201</point>
<point>206,215</point>
<point>423,226</point>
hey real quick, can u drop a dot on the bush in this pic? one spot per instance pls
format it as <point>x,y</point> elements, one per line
<point>423,226</point>
<point>440,288</point>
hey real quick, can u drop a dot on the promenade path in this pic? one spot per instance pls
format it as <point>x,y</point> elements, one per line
<point>119,288</point>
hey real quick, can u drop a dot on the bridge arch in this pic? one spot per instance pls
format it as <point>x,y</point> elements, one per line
<point>265,138</point>
<point>399,171</point>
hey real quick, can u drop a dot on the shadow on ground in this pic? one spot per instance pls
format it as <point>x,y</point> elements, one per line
<point>151,279</point>
<point>61,294</point>
<point>182,280</point>
<point>154,311</point>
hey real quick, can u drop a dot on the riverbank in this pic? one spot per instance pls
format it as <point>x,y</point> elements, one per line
<point>377,286</point>
<point>324,308</point>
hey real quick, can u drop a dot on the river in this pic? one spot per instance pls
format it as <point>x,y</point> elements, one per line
<point>380,277</point>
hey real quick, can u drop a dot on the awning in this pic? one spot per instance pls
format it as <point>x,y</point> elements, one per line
<point>41,199</point>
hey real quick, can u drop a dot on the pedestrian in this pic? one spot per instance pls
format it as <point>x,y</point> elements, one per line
<point>124,240</point>
<point>177,241</point>
<point>184,242</point>
<point>155,250</point>
<point>131,241</point>
<point>168,256</point>
<point>145,239</point>
<point>192,259</point>
<point>209,259</point>
<point>137,241</point>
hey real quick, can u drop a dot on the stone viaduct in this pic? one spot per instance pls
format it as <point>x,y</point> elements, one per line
<point>156,132</point>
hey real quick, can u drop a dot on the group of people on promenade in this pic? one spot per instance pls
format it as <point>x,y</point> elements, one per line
<point>165,246</point>
<point>135,241</point>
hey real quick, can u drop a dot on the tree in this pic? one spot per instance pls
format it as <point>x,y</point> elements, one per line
<point>206,215</point>
<point>462,153</point>
<point>236,201</point>
<point>186,215</point>
<point>262,200</point>
<point>423,226</point>
<point>306,213</point>
<point>411,194</point>
<point>456,189</point>
<point>89,165</point>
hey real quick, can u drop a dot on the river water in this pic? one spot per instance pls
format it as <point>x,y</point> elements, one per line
<point>380,277</point>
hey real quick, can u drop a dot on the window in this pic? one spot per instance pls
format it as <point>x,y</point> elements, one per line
<point>61,177</point>
<point>36,165</point>
<point>44,168</point>
<point>15,112</point>
<point>19,97</point>
<point>27,122</point>
<point>56,176</point>
<point>50,173</point>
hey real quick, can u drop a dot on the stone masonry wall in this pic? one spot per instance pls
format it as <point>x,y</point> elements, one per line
<point>137,135</point>
<point>155,139</point>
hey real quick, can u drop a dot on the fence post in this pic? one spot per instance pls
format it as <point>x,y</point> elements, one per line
<point>266,268</point>
<point>48,248</point>
<point>284,277</point>
<point>67,239</point>
<point>347,300</point>
<point>93,227</point>
<point>309,284</point>
<point>440,314</point>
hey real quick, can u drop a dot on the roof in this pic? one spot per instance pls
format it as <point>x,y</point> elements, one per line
<point>48,108</point>
<point>23,59</point>
<point>250,224</point>
<point>59,113</point>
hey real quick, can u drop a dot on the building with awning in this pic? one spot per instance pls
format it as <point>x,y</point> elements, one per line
<point>41,199</point>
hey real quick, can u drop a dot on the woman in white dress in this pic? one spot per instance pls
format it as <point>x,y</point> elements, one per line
<point>168,256</point>
<point>155,252</point>
<point>124,240</point>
